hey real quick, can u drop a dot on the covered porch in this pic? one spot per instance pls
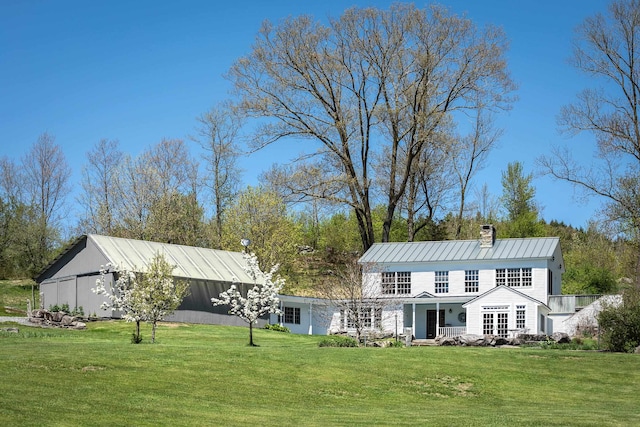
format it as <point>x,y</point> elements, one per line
<point>429,316</point>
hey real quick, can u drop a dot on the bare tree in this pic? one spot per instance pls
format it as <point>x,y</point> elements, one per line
<point>159,199</point>
<point>45,180</point>
<point>468,156</point>
<point>356,292</point>
<point>100,190</point>
<point>370,79</point>
<point>217,134</point>
<point>606,49</point>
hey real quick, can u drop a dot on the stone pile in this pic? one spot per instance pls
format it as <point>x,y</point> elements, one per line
<point>56,319</point>
<point>472,340</point>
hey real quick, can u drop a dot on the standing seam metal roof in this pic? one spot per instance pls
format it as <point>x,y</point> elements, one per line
<point>461,250</point>
<point>191,262</point>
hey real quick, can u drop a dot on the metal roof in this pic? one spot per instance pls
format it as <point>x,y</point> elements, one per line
<point>461,250</point>
<point>191,262</point>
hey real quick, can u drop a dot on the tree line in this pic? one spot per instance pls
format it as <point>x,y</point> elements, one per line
<point>392,111</point>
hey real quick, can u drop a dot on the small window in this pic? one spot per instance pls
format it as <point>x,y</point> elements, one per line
<point>292,315</point>
<point>520,316</point>
<point>471,281</point>
<point>442,282</point>
<point>542,323</point>
<point>501,277</point>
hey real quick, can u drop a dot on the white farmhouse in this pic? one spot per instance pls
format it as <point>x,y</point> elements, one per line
<point>486,286</point>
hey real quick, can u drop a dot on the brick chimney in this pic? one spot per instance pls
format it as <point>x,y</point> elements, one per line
<point>487,236</point>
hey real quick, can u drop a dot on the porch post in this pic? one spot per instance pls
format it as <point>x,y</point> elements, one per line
<point>310,318</point>
<point>281,315</point>
<point>437,318</point>
<point>413,319</point>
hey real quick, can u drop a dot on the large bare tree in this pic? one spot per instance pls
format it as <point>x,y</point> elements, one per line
<point>369,80</point>
<point>45,179</point>
<point>217,133</point>
<point>100,194</point>
<point>607,50</point>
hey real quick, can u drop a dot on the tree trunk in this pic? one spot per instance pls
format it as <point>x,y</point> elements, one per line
<point>153,332</point>
<point>251,334</point>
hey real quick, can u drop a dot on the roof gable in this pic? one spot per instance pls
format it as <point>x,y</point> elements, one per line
<point>503,288</point>
<point>461,250</point>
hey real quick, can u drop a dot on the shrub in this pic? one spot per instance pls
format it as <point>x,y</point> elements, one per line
<point>276,327</point>
<point>65,308</point>
<point>54,308</point>
<point>396,343</point>
<point>620,323</point>
<point>338,341</point>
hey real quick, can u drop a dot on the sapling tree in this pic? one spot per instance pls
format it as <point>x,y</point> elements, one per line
<point>149,296</point>
<point>260,300</point>
<point>122,296</point>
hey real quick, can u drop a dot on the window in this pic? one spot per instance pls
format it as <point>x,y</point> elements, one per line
<point>442,282</point>
<point>503,324</point>
<point>514,277</point>
<point>369,316</point>
<point>292,315</point>
<point>471,281</point>
<point>396,283</point>
<point>542,322</point>
<point>487,323</point>
<point>520,316</point>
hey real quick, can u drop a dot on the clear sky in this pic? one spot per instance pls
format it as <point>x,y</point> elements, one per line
<point>139,71</point>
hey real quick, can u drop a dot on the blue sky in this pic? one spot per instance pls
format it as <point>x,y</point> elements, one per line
<point>140,71</point>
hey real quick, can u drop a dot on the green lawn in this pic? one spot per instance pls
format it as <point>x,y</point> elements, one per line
<point>207,375</point>
<point>14,295</point>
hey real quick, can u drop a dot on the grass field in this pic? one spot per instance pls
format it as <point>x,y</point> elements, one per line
<point>14,295</point>
<point>207,375</point>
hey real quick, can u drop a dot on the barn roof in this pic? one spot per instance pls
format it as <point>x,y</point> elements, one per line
<point>461,250</point>
<point>190,261</point>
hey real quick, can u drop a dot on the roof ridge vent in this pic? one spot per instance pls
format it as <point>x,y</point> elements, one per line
<point>487,236</point>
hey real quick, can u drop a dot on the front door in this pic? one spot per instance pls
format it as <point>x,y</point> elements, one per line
<point>431,323</point>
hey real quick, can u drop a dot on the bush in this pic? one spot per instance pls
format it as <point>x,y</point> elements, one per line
<point>65,308</point>
<point>54,308</point>
<point>338,341</point>
<point>276,327</point>
<point>396,343</point>
<point>620,323</point>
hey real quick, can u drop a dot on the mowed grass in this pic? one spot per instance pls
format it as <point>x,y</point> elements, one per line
<point>207,375</point>
<point>14,295</point>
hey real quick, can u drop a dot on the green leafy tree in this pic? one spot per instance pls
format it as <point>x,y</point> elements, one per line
<point>260,215</point>
<point>518,198</point>
<point>620,322</point>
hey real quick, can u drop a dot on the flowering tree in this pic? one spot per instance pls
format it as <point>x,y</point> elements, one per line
<point>260,300</point>
<point>122,296</point>
<point>148,296</point>
<point>159,292</point>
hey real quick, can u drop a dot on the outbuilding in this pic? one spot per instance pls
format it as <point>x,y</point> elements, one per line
<point>70,278</point>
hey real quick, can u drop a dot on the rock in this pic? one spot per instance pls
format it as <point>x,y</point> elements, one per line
<point>36,320</point>
<point>561,338</point>
<point>499,341</point>
<point>58,315</point>
<point>78,325</point>
<point>444,341</point>
<point>14,330</point>
<point>39,313</point>
<point>473,340</point>
<point>637,350</point>
<point>67,320</point>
